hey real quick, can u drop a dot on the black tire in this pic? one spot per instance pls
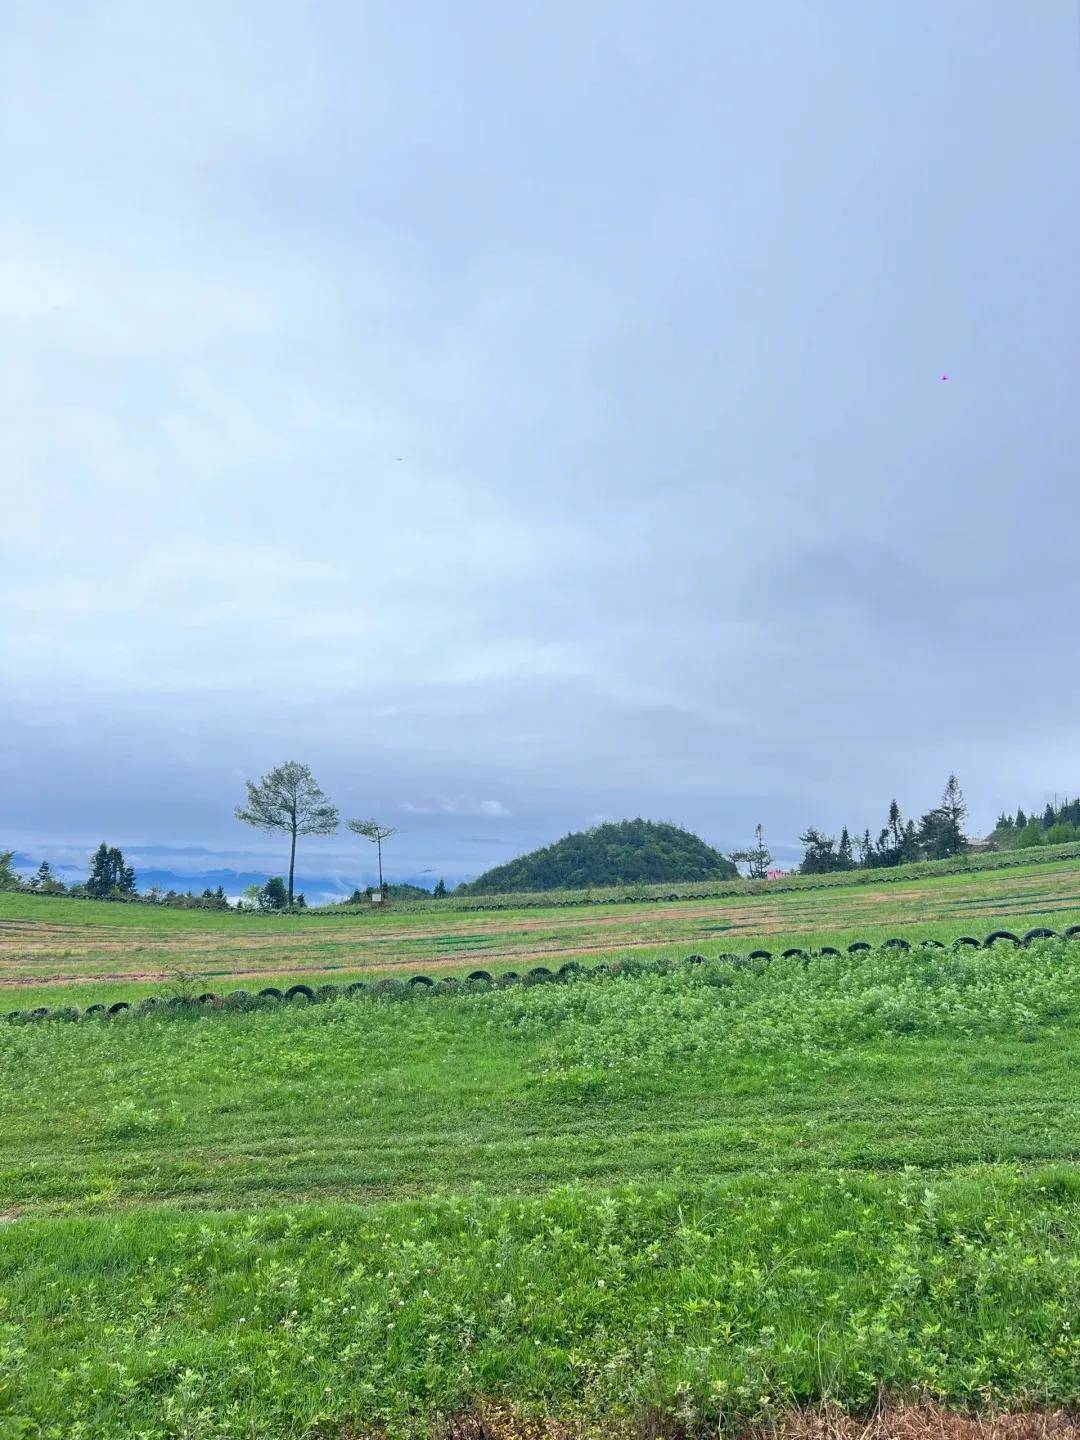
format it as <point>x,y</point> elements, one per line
<point>858,946</point>
<point>896,943</point>
<point>828,950</point>
<point>238,1000</point>
<point>480,977</point>
<point>118,1007</point>
<point>760,955</point>
<point>1038,932</point>
<point>326,992</point>
<point>39,1012</point>
<point>996,935</point>
<point>422,980</point>
<point>538,975</point>
<point>208,998</point>
<point>96,1010</point>
<point>296,990</point>
<point>270,993</point>
<point>1071,932</point>
<point>694,960</point>
<point>966,942</point>
<point>356,988</point>
<point>794,952</point>
<point>509,977</point>
<point>932,945</point>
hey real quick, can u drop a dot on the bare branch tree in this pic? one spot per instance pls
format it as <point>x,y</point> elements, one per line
<point>376,833</point>
<point>289,799</point>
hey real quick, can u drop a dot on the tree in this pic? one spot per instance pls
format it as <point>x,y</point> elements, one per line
<point>1048,817</point>
<point>440,890</point>
<point>954,809</point>
<point>9,879</point>
<point>844,858</point>
<point>1021,819</point>
<point>909,845</point>
<point>865,847</point>
<point>273,895</point>
<point>289,799</point>
<point>376,833</point>
<point>895,831</point>
<point>109,875</point>
<point>820,853</point>
<point>44,882</point>
<point>757,860</point>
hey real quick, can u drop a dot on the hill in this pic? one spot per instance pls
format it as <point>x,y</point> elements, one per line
<point>618,853</point>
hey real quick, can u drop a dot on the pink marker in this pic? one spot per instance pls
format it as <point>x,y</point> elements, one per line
<point>944,377</point>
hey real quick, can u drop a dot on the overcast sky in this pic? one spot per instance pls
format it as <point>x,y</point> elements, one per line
<point>529,413</point>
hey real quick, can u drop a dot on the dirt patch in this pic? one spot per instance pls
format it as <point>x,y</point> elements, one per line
<point>904,1422</point>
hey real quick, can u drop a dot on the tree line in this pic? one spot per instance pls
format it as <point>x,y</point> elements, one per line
<point>1057,825</point>
<point>938,835</point>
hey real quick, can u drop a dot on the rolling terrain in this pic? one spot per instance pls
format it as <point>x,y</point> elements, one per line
<point>57,950</point>
<point>656,1199</point>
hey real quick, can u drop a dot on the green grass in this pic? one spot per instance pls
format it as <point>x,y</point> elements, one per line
<point>700,1192</point>
<point>82,952</point>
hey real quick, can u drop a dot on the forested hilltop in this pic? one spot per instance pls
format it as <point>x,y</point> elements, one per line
<point>617,853</point>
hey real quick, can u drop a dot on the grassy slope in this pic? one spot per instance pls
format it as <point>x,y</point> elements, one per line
<point>55,950</point>
<point>709,1191</point>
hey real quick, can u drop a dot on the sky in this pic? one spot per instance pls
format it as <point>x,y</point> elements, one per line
<point>533,414</point>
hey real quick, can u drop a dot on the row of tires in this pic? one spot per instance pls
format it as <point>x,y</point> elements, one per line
<point>482,979</point>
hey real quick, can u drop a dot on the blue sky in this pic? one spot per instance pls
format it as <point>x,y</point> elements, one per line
<point>530,414</point>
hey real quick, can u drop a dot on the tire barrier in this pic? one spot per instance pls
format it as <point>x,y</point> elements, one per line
<point>477,979</point>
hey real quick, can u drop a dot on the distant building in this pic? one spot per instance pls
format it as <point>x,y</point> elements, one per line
<point>776,874</point>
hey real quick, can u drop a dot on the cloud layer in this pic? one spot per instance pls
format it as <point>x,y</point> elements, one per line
<point>535,404</point>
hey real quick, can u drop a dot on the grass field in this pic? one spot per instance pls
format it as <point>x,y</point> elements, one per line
<point>56,950</point>
<point>655,1202</point>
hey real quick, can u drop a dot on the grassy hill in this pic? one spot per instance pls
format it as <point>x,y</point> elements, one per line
<point>618,853</point>
<point>658,1202</point>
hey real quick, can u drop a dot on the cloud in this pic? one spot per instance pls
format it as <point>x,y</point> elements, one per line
<point>457,805</point>
<point>532,429</point>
